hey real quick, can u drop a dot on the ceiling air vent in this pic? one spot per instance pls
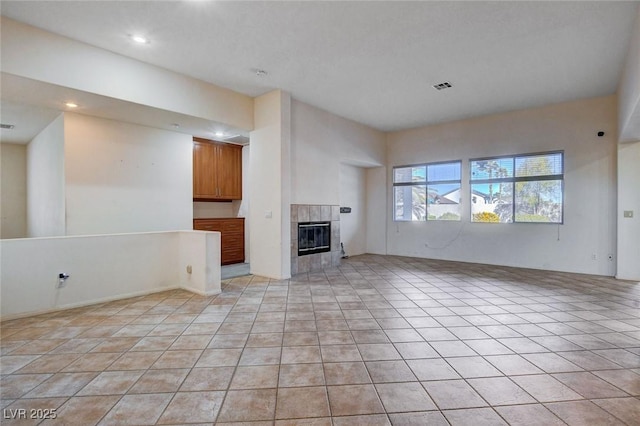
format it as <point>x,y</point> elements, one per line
<point>6,126</point>
<point>442,86</point>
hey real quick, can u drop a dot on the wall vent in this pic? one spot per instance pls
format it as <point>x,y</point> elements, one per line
<point>442,86</point>
<point>7,126</point>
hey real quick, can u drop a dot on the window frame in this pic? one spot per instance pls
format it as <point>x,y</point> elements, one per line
<point>426,182</point>
<point>516,179</point>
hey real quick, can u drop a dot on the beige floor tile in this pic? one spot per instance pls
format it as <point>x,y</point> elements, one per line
<point>116,344</point>
<point>346,373</point>
<point>416,350</point>
<point>545,388</point>
<point>260,356</point>
<point>210,378</point>
<point>453,394</point>
<point>512,365</point>
<point>84,410</point>
<point>156,381</point>
<point>404,397</point>
<point>111,383</point>
<point>137,409</point>
<point>625,409</point>
<point>37,347</point>
<point>431,418</point>
<point>300,354</point>
<point>11,363</point>
<point>192,407</point>
<point>389,371</point>
<point>135,361</point>
<point>61,384</point>
<point>626,380</point>
<point>92,362</point>
<point>432,369</point>
<point>255,377</point>
<point>551,363</point>
<point>500,391</point>
<point>248,405</point>
<point>340,353</point>
<point>589,385</point>
<point>324,421</point>
<point>219,358</point>
<point>367,420</point>
<point>300,338</point>
<point>473,367</point>
<point>296,375</point>
<point>294,403</point>
<point>154,343</point>
<point>529,415</point>
<point>15,386</point>
<point>264,340</point>
<point>48,364</point>
<point>474,417</point>
<point>354,399</point>
<point>582,413</point>
<point>177,359</point>
<point>378,352</point>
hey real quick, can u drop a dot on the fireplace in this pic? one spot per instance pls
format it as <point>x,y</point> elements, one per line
<point>314,237</point>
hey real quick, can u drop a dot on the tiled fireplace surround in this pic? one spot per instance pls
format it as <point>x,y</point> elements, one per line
<point>319,261</point>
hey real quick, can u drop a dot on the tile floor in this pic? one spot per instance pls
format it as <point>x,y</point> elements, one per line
<point>381,340</point>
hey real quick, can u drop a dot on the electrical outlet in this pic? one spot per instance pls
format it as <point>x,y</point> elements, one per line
<point>628,213</point>
<point>594,257</point>
<point>189,269</point>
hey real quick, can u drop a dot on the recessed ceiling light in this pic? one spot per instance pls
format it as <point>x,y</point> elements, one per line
<point>175,125</point>
<point>71,104</point>
<point>139,39</point>
<point>219,134</point>
<point>7,126</point>
<point>261,73</point>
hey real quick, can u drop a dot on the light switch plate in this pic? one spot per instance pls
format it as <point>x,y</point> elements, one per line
<point>628,213</point>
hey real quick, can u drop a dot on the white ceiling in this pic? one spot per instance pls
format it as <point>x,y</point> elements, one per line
<point>373,62</point>
<point>31,105</point>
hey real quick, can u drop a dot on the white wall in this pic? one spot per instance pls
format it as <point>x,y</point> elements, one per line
<point>13,191</point>
<point>377,209</point>
<point>629,199</point>
<point>104,268</point>
<point>123,177</point>
<point>590,188</point>
<point>629,90</point>
<point>269,193</point>
<point>321,141</point>
<point>353,226</point>
<point>43,56</point>
<point>46,182</point>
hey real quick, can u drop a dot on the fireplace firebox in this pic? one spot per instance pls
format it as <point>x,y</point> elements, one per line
<point>314,237</point>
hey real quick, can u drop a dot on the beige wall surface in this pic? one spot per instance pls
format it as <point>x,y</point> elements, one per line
<point>13,190</point>
<point>122,177</point>
<point>46,182</point>
<point>629,200</point>
<point>589,228</point>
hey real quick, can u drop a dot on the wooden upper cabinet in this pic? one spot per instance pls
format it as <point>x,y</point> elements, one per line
<point>217,171</point>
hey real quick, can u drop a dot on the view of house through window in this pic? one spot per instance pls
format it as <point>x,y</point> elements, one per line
<point>521,188</point>
<point>427,192</point>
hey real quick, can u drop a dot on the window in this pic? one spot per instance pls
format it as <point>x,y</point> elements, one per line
<point>521,188</point>
<point>427,192</point>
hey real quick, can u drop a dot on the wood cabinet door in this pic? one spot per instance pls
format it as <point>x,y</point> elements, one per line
<point>204,177</point>
<point>229,171</point>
